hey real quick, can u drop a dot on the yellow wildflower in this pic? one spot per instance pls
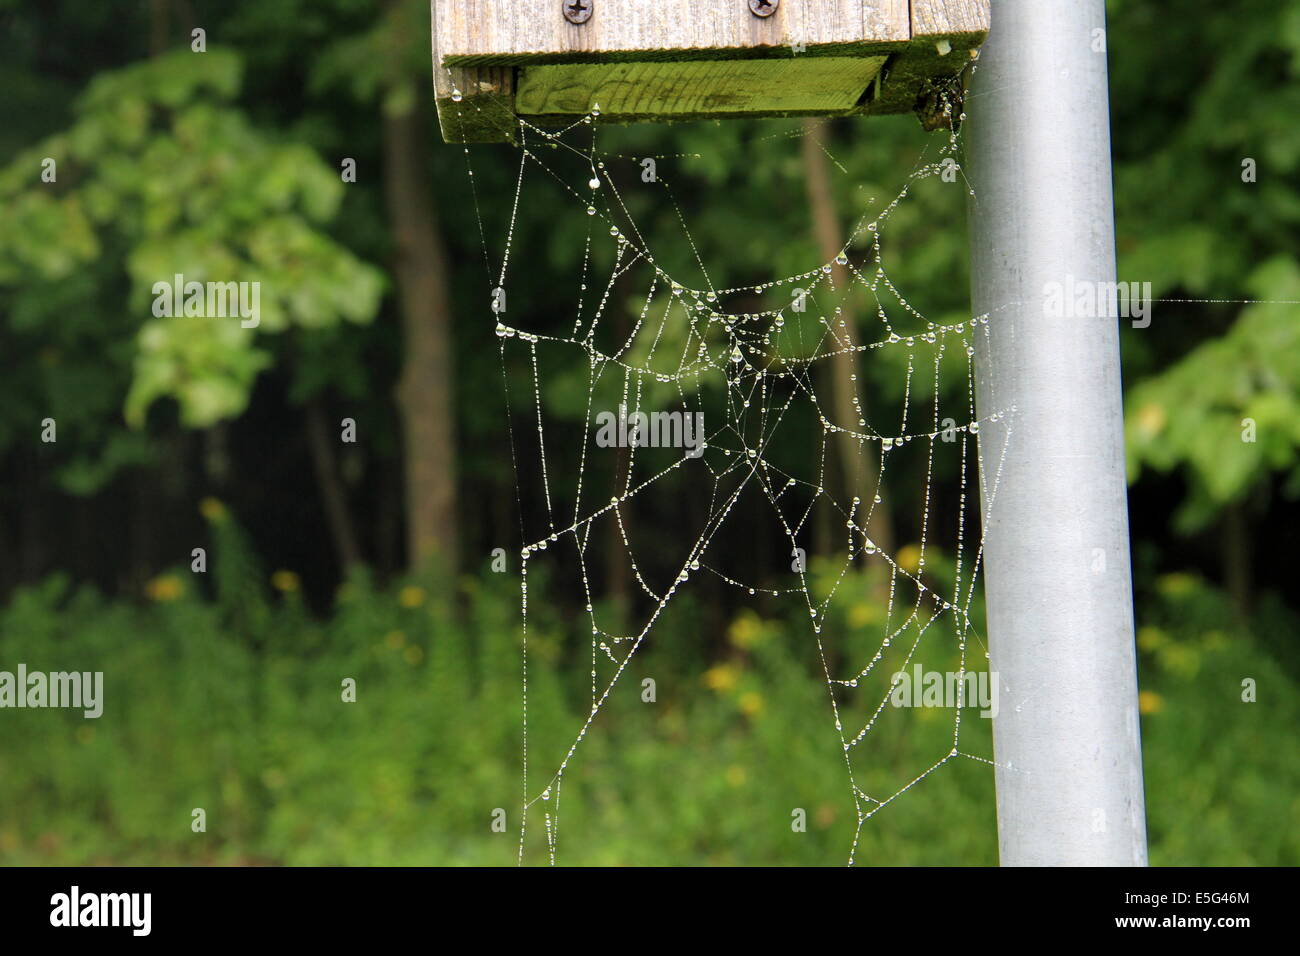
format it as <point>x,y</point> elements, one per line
<point>909,558</point>
<point>166,587</point>
<point>863,615</point>
<point>1177,584</point>
<point>746,630</point>
<point>410,596</point>
<point>1151,420</point>
<point>212,509</point>
<point>285,581</point>
<point>721,678</point>
<point>1151,639</point>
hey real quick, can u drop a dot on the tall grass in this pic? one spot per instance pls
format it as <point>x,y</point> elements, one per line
<point>232,703</point>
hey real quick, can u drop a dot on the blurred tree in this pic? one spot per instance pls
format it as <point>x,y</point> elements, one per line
<point>212,165</point>
<point>160,169</point>
<point>859,463</point>
<point>388,66</point>
<point>161,175</point>
<point>425,392</point>
<point>1208,196</point>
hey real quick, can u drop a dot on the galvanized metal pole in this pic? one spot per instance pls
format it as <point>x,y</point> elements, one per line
<point>1057,579</point>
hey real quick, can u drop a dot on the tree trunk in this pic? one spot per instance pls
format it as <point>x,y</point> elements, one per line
<point>1238,572</point>
<point>618,571</point>
<point>159,26</point>
<point>337,517</point>
<point>618,567</point>
<point>425,394</point>
<point>859,462</point>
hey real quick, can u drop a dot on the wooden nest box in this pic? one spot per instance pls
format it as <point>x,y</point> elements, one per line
<point>553,61</point>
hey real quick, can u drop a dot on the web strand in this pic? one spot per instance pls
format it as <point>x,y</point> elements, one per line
<point>684,342</point>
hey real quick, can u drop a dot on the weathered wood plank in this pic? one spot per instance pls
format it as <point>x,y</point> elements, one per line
<point>832,23</point>
<point>515,31</point>
<point>664,60</point>
<point>949,18</point>
<point>658,89</point>
<point>889,20</point>
<point>475,104</point>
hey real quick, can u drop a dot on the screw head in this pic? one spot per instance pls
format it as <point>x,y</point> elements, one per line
<point>763,8</point>
<point>577,11</point>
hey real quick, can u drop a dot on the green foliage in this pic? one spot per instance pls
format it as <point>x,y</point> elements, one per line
<point>1191,226</point>
<point>1220,777</point>
<point>162,175</point>
<point>234,706</point>
<point>1228,411</point>
<point>211,166</point>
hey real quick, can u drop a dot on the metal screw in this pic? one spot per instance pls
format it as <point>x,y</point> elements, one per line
<point>577,11</point>
<point>763,8</point>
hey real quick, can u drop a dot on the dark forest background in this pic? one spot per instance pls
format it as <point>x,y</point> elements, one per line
<point>373,558</point>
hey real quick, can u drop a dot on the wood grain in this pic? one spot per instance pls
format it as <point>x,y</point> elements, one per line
<point>950,18</point>
<point>649,90</point>
<point>662,60</point>
<point>486,32</point>
<point>889,20</point>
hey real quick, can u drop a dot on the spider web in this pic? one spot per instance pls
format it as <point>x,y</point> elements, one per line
<point>746,358</point>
